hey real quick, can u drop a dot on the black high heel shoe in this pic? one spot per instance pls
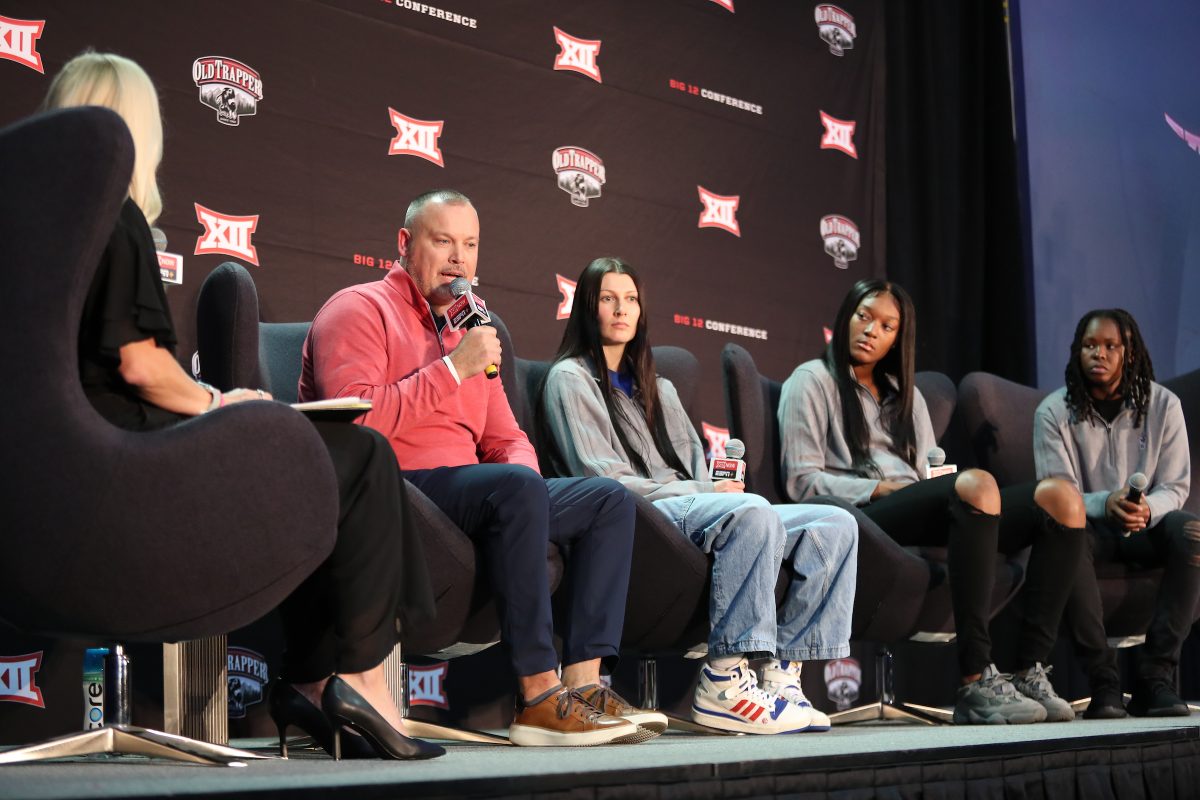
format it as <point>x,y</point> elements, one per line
<point>288,707</point>
<point>344,706</point>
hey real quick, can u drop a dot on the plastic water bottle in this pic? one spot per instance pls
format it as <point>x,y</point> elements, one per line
<point>93,687</point>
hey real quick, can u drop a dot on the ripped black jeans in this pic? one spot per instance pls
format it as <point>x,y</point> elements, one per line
<point>1173,544</point>
<point>931,513</point>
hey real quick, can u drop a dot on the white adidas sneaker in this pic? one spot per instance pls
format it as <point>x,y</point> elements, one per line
<point>783,678</point>
<point>730,699</point>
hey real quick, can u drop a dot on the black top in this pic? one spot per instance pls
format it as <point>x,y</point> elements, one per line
<point>1108,409</point>
<point>125,303</point>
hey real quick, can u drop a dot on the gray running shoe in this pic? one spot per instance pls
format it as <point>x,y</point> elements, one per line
<point>1035,684</point>
<point>993,700</point>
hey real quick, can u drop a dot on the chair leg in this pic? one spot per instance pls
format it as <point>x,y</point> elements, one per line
<point>130,740</point>
<point>396,670</point>
<point>886,708</point>
<point>648,699</point>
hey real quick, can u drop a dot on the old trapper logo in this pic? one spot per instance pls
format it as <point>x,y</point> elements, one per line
<point>229,87</point>
<point>580,174</point>
<point>836,28</point>
<point>248,678</point>
<point>842,239</point>
<point>843,681</point>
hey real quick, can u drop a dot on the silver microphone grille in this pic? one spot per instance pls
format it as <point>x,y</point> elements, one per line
<point>1139,481</point>
<point>735,448</point>
<point>937,457</point>
<point>459,287</point>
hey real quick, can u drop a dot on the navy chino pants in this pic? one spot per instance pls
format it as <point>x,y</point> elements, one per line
<point>514,515</point>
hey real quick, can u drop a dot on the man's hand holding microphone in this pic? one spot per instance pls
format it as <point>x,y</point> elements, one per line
<point>479,350</point>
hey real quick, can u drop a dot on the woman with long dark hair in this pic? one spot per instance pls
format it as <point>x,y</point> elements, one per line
<point>340,623</point>
<point>1110,422</point>
<point>603,411</point>
<point>854,425</point>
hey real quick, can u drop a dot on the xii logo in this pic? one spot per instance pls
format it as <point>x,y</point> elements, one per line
<point>227,234</point>
<point>427,685</point>
<point>416,137</point>
<point>719,211</point>
<point>577,55</point>
<point>18,41</point>
<point>839,135</point>
<point>567,287</point>
<point>716,438</point>
<point>17,679</point>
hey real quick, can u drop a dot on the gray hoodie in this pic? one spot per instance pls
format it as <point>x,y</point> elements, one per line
<point>1098,457</point>
<point>588,442</point>
<point>816,456</point>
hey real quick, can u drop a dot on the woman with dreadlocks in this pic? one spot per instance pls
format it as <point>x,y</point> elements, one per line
<point>1110,422</point>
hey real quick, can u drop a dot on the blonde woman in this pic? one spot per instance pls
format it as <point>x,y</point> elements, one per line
<point>340,623</point>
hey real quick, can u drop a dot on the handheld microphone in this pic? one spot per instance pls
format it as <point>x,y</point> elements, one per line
<point>466,312</point>
<point>937,464</point>
<point>731,467</point>
<point>160,239</point>
<point>1137,486</point>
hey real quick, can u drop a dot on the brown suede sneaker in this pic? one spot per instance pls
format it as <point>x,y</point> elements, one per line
<point>607,700</point>
<point>561,718</point>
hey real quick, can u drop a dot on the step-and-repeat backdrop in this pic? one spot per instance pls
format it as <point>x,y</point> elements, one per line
<point>732,150</point>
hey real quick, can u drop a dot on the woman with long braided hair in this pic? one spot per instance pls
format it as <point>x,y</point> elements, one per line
<point>1110,423</point>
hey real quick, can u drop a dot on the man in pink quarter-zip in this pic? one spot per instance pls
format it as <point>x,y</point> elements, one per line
<point>457,441</point>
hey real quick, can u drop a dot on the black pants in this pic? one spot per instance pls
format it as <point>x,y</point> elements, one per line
<point>345,616</point>
<point>514,514</point>
<point>1173,543</point>
<point>931,513</point>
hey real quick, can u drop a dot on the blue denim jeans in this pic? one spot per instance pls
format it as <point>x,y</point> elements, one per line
<point>749,539</point>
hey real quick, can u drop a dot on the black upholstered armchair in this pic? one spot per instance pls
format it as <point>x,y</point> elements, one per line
<point>666,610</point>
<point>109,534</point>
<point>238,350</point>
<point>998,416</point>
<point>901,592</point>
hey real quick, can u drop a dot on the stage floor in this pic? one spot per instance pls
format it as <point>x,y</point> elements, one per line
<point>871,756</point>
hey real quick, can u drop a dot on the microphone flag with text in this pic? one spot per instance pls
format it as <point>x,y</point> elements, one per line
<point>468,311</point>
<point>731,467</point>
<point>937,465</point>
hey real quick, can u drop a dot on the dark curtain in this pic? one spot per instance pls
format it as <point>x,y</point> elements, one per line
<point>954,237</point>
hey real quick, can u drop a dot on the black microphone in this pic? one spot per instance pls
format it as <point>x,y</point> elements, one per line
<point>468,311</point>
<point>1137,485</point>
<point>731,467</point>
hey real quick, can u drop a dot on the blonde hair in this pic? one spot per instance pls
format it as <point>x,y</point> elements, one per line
<point>105,79</point>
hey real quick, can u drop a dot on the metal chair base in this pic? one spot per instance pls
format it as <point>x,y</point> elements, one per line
<point>648,699</point>
<point>395,670</point>
<point>430,730</point>
<point>880,711</point>
<point>886,708</point>
<point>130,740</point>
